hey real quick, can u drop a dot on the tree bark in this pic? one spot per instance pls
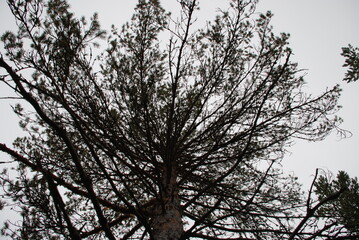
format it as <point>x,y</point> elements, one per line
<point>166,222</point>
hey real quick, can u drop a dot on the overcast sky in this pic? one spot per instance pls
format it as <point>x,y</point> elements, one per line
<point>318,28</point>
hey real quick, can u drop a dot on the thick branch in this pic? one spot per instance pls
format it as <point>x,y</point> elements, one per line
<point>61,181</point>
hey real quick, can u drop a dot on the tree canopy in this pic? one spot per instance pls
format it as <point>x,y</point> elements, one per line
<point>351,55</point>
<point>346,208</point>
<point>159,139</point>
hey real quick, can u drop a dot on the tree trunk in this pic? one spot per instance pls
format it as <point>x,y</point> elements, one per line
<point>167,222</point>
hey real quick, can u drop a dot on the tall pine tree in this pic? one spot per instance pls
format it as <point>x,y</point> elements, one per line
<point>156,139</point>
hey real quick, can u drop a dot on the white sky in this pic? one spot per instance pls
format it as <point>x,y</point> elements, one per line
<point>318,28</point>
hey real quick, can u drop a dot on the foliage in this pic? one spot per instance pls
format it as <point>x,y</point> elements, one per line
<point>346,208</point>
<point>351,55</point>
<point>158,140</point>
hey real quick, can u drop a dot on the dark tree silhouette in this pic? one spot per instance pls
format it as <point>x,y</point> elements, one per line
<point>351,55</point>
<point>157,139</point>
<point>346,208</point>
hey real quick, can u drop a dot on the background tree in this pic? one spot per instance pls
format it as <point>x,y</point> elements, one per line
<point>346,208</point>
<point>158,140</point>
<point>351,55</point>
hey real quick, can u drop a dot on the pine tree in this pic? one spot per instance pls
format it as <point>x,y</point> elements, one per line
<point>155,139</point>
<point>345,210</point>
<point>351,55</point>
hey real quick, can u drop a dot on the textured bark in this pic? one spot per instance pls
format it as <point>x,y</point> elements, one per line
<point>167,222</point>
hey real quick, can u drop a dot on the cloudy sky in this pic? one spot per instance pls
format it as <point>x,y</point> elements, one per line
<point>318,28</point>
